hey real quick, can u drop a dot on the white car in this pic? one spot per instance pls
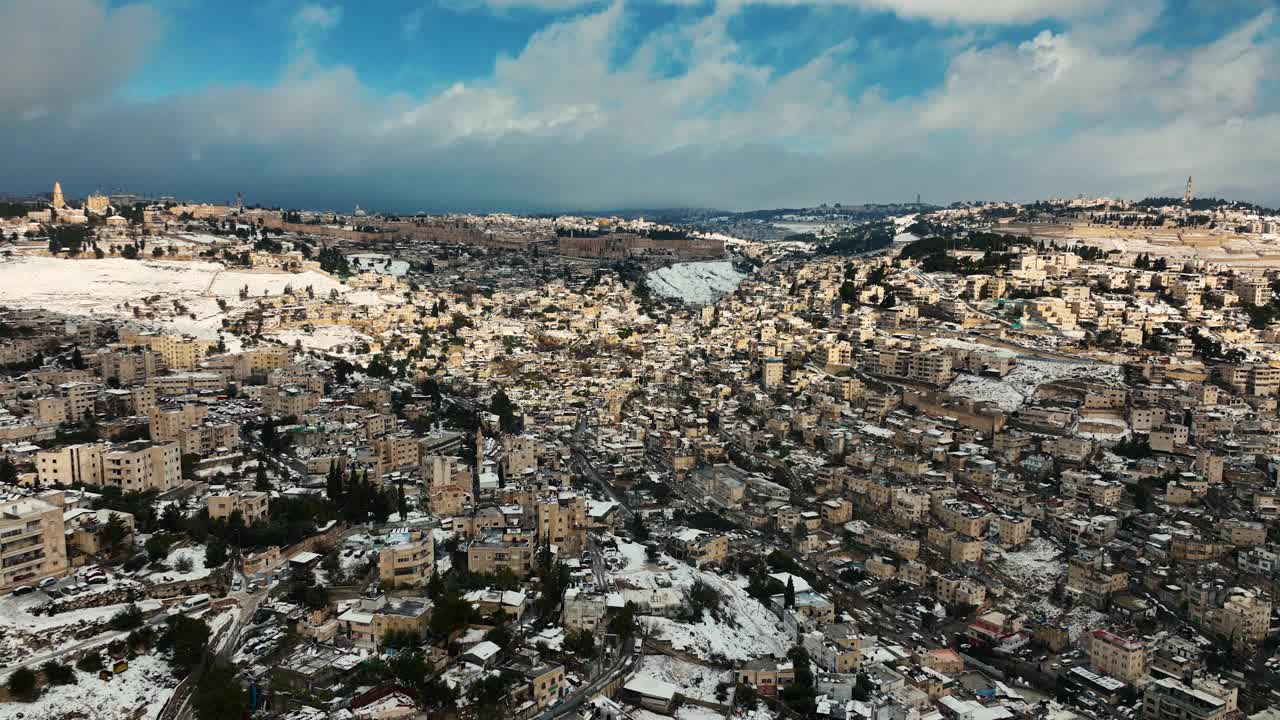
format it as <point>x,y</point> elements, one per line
<point>46,582</point>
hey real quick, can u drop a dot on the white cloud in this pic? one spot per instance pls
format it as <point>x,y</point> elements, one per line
<point>57,56</point>
<point>998,12</point>
<point>310,21</point>
<point>563,124</point>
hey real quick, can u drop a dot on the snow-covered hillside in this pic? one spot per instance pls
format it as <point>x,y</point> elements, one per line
<point>744,630</point>
<point>104,287</point>
<point>1019,386</point>
<point>696,283</point>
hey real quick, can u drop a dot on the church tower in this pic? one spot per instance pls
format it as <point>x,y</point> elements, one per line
<point>58,202</point>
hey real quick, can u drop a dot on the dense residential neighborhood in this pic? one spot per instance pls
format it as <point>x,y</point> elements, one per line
<point>977,462</point>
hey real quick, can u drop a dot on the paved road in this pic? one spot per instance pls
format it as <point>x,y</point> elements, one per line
<point>226,642</point>
<point>622,663</point>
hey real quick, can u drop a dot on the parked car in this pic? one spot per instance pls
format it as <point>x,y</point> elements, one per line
<point>23,590</point>
<point>46,582</point>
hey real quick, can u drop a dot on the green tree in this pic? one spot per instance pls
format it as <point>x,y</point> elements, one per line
<point>260,481</point>
<point>219,695</point>
<point>113,533</point>
<point>215,553</point>
<point>580,643</point>
<point>451,613</point>
<point>639,532</point>
<point>157,547</point>
<point>333,483</point>
<point>187,638</point>
<point>56,673</point>
<point>800,695</point>
<point>22,684</point>
<point>128,618</point>
<point>502,406</point>
<point>623,624</point>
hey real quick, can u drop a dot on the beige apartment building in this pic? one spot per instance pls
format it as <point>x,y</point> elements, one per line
<point>836,511</point>
<point>1011,531</point>
<point>1095,578</point>
<point>1120,657</point>
<point>397,452</point>
<point>771,372</point>
<point>168,422</point>
<point>289,402</point>
<point>370,620</point>
<point>498,548</point>
<point>410,561</point>
<point>1243,619</point>
<point>961,591</point>
<point>70,465</point>
<point>141,466</point>
<point>561,518</point>
<point>964,518</point>
<point>33,545</point>
<point>179,352</point>
<point>699,548</point>
<point>81,397</point>
<point>252,506</point>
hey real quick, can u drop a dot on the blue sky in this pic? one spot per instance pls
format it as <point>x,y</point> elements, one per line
<point>565,104</point>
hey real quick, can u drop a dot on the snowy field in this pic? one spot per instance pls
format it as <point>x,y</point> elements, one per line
<point>24,635</point>
<point>756,631</point>
<point>1036,567</point>
<point>337,339</point>
<point>103,287</point>
<point>139,692</point>
<point>1019,386</point>
<point>380,264</point>
<point>696,283</point>
<point>694,681</point>
<point>193,553</point>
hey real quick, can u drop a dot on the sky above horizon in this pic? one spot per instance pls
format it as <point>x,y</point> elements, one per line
<point>545,105</point>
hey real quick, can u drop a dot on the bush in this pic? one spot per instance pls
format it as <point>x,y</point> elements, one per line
<point>56,673</point>
<point>184,564</point>
<point>127,619</point>
<point>140,639</point>
<point>90,663</point>
<point>22,684</point>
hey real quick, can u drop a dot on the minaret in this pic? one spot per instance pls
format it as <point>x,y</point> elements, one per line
<point>58,202</point>
<point>1186,196</point>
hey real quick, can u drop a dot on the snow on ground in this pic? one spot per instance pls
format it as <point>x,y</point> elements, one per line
<point>1019,386</point>
<point>694,681</point>
<point>194,553</point>
<point>697,283</point>
<point>1036,567</point>
<point>684,712</point>
<point>138,692</point>
<point>102,287</point>
<point>1077,620</point>
<point>23,635</point>
<point>755,632</point>
<point>380,264</point>
<point>326,338</point>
